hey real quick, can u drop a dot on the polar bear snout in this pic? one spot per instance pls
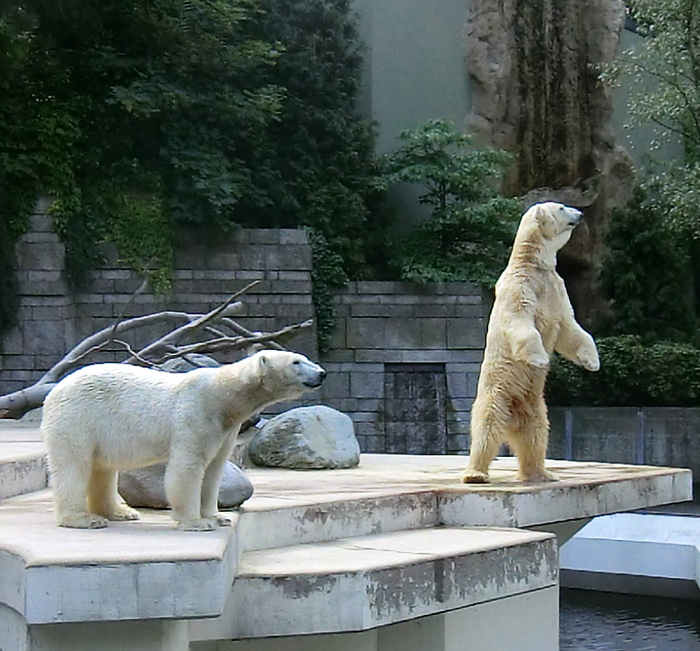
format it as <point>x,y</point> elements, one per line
<point>311,375</point>
<point>575,216</point>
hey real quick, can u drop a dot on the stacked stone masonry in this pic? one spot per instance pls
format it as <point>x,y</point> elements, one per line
<point>404,359</point>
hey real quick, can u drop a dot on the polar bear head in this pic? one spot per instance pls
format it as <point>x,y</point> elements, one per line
<point>546,227</point>
<point>285,374</point>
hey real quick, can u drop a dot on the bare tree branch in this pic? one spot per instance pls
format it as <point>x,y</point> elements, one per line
<point>167,347</point>
<point>194,325</point>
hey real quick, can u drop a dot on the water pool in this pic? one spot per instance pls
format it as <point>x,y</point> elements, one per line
<point>605,621</point>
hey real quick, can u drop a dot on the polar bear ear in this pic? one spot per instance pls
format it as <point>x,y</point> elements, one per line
<point>541,216</point>
<point>263,363</point>
<point>545,221</point>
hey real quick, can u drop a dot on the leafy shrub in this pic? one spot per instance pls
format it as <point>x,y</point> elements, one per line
<point>648,273</point>
<point>632,373</point>
<point>315,166</point>
<point>472,226</point>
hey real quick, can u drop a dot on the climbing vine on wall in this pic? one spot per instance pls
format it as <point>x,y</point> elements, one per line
<point>137,117</point>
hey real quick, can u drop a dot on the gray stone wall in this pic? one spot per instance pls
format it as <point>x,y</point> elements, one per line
<point>51,319</point>
<point>404,360</point>
<point>384,328</point>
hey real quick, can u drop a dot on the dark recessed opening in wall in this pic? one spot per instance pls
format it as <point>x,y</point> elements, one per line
<point>415,409</point>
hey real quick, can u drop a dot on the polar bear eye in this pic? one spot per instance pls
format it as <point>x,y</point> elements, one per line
<point>296,362</point>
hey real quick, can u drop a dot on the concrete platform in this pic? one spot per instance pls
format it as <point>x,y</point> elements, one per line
<point>637,553</point>
<point>397,541</point>
<point>22,459</point>
<point>362,583</point>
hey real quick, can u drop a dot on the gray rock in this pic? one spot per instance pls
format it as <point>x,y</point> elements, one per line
<point>144,487</point>
<point>307,438</point>
<point>184,364</point>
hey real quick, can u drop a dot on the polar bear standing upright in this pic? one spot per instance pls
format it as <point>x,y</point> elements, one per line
<point>110,417</point>
<point>531,317</point>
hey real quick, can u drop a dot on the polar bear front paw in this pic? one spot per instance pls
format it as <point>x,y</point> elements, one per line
<point>223,521</point>
<point>201,524</point>
<point>589,360</point>
<point>124,513</point>
<point>474,477</point>
<point>83,521</point>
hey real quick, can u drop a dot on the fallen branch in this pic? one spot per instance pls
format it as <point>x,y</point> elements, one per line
<point>167,347</point>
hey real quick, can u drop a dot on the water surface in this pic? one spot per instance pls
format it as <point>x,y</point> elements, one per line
<point>605,621</point>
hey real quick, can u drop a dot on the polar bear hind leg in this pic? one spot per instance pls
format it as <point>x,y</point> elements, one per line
<point>488,430</point>
<point>528,441</point>
<point>103,497</point>
<point>69,481</point>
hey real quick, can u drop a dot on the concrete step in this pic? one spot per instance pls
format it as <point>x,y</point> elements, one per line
<point>388,493</point>
<point>360,583</point>
<point>23,466</point>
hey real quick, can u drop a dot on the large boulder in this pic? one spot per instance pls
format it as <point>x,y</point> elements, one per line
<point>144,487</point>
<point>307,438</point>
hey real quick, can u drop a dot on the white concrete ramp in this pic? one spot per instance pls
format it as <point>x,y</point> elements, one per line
<point>638,553</point>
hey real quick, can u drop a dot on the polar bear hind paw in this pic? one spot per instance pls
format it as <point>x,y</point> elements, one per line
<point>537,477</point>
<point>223,521</point>
<point>475,477</point>
<point>201,524</point>
<point>83,521</point>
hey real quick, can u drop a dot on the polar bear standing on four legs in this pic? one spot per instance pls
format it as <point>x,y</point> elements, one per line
<point>531,317</point>
<point>110,417</point>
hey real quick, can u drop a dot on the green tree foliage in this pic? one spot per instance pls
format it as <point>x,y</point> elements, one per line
<point>138,116</point>
<point>316,166</point>
<point>472,226</point>
<point>665,77</point>
<point>648,274</point>
<point>135,115</point>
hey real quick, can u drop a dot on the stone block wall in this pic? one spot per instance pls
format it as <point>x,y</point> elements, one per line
<point>428,339</point>
<point>404,360</point>
<point>52,319</point>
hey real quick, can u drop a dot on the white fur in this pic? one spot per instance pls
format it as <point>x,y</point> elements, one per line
<point>531,317</point>
<point>110,417</point>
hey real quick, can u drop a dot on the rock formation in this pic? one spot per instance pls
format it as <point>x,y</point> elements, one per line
<point>534,68</point>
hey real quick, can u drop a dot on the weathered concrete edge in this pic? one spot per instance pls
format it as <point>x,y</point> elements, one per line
<point>25,474</point>
<point>50,594</point>
<point>294,524</point>
<point>369,599</point>
<point>526,509</point>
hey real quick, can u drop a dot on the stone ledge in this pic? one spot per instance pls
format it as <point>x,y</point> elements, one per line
<point>323,503</point>
<point>362,583</point>
<point>149,570</point>
<point>129,571</point>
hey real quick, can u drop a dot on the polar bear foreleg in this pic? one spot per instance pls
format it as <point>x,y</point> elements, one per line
<point>103,497</point>
<point>184,478</point>
<point>212,483</point>
<point>526,343</point>
<point>578,346</point>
